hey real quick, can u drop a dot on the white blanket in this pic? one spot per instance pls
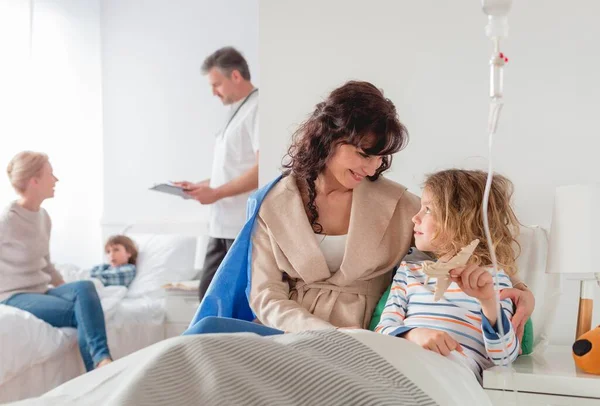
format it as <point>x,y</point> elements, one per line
<point>110,296</point>
<point>173,370</point>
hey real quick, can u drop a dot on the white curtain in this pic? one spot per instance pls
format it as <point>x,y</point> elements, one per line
<point>15,51</point>
<point>51,101</point>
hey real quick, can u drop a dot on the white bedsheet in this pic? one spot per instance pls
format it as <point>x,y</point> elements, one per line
<point>26,341</point>
<point>139,310</point>
<point>136,324</point>
<point>38,379</point>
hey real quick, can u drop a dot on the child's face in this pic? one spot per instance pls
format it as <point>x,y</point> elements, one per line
<point>425,225</point>
<point>117,255</point>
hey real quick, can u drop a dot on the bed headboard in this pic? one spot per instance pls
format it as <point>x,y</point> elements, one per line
<point>184,228</point>
<point>196,228</point>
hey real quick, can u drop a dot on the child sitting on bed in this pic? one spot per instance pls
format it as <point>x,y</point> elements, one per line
<point>463,324</point>
<point>122,255</point>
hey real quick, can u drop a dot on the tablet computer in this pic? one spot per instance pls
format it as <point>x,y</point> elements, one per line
<point>171,189</point>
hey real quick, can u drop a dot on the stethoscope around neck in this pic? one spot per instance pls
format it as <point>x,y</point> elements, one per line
<point>221,133</point>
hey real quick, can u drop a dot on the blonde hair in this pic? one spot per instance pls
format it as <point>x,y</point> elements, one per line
<point>457,199</point>
<point>24,166</point>
<point>126,242</point>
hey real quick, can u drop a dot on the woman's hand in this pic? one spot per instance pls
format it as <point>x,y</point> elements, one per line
<point>524,302</point>
<point>433,340</point>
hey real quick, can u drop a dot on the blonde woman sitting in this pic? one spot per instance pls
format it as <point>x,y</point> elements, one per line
<point>26,269</point>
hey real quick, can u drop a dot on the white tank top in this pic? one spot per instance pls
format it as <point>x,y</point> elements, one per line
<point>333,247</point>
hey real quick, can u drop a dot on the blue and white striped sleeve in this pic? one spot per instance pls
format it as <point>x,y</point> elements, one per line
<point>498,348</point>
<point>392,317</point>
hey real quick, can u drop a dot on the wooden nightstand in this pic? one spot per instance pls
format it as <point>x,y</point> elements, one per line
<point>181,303</point>
<point>550,378</point>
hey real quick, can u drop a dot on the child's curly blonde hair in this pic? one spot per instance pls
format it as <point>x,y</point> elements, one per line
<point>457,200</point>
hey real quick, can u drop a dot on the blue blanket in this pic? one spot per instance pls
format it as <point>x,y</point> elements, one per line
<point>229,292</point>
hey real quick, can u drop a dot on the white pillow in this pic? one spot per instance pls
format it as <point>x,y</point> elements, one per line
<point>162,258</point>
<point>531,265</point>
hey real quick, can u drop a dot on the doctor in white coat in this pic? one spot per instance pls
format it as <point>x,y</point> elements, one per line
<point>235,159</point>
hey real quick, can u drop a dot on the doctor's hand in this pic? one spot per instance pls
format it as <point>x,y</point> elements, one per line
<point>190,185</point>
<point>204,194</point>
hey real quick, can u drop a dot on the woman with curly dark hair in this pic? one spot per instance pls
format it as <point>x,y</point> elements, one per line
<point>324,239</point>
<point>321,243</point>
<point>329,234</point>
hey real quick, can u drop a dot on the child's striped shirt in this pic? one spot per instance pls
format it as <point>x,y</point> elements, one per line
<point>410,305</point>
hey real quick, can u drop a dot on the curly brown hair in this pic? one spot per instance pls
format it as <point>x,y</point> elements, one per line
<point>356,113</point>
<point>126,242</point>
<point>457,200</point>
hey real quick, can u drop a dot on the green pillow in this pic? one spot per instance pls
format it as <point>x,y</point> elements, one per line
<point>526,343</point>
<point>379,309</point>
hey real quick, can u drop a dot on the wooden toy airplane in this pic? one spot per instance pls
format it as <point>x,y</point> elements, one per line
<point>441,270</point>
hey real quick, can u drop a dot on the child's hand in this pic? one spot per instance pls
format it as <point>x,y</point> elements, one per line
<point>434,340</point>
<point>475,281</point>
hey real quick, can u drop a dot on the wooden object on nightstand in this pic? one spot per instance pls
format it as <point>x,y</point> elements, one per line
<point>550,378</point>
<point>181,303</point>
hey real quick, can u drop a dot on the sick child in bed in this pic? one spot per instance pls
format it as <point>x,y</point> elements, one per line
<point>122,255</point>
<point>463,324</point>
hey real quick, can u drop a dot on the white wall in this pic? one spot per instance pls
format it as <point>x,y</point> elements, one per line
<point>159,114</point>
<point>139,63</point>
<point>431,58</point>
<point>51,102</point>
